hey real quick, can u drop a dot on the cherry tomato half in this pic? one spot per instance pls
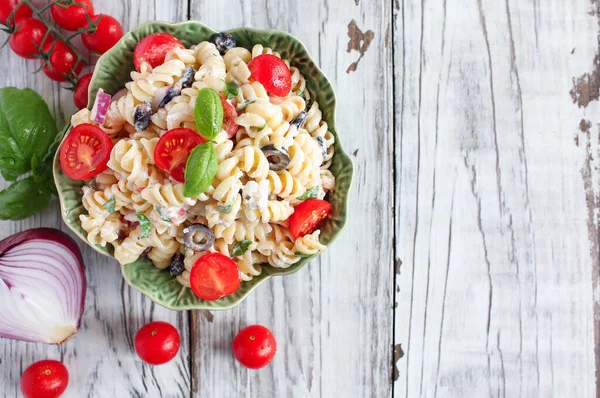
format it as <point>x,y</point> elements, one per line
<point>80,94</point>
<point>7,7</point>
<point>229,115</point>
<point>173,150</point>
<point>74,16</point>
<point>85,152</point>
<point>213,276</point>
<point>60,62</point>
<point>153,49</point>
<point>307,216</point>
<point>157,343</point>
<point>44,379</point>
<point>254,346</point>
<point>107,34</point>
<point>28,37</point>
<point>272,73</point>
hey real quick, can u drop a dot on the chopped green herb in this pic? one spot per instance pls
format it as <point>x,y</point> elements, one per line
<point>231,89</point>
<point>145,225</point>
<point>161,213</point>
<point>310,194</point>
<point>225,209</point>
<point>243,105</point>
<point>109,205</point>
<point>240,247</point>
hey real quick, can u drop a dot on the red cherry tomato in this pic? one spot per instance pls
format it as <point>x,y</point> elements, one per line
<point>44,379</point>
<point>307,216</point>
<point>229,115</point>
<point>107,34</point>
<point>7,7</point>
<point>74,16</point>
<point>153,49</point>
<point>254,346</point>
<point>173,150</point>
<point>213,276</point>
<point>61,62</point>
<point>157,343</point>
<point>28,37</point>
<point>272,73</point>
<point>80,94</point>
<point>85,152</point>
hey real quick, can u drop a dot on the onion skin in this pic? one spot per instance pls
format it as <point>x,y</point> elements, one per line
<point>61,238</point>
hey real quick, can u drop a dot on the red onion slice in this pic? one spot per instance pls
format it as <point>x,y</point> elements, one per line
<point>42,286</point>
<point>100,108</point>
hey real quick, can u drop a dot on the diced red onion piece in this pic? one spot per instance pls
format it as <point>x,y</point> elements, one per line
<point>100,108</point>
<point>42,286</point>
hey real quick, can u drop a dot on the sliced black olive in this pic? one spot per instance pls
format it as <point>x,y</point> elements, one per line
<point>223,41</point>
<point>321,141</point>
<point>278,159</point>
<point>198,237</point>
<point>141,117</point>
<point>176,266</point>
<point>184,82</point>
<point>300,120</point>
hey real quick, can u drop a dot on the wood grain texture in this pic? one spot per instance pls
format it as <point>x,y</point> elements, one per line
<point>494,292</point>
<point>100,358</point>
<point>333,319</point>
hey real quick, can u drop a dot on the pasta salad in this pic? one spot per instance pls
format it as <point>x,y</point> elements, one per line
<point>212,161</point>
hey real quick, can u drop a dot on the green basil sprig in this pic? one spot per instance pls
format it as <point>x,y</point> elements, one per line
<point>208,113</point>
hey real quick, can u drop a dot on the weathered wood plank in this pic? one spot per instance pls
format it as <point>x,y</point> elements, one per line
<point>495,296</point>
<point>100,358</point>
<point>332,319</point>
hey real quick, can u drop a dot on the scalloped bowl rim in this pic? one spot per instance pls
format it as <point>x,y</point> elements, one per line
<point>264,276</point>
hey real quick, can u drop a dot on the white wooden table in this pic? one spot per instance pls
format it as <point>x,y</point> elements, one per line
<point>470,264</point>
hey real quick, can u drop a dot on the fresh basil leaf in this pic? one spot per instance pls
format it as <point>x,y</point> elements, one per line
<point>49,157</point>
<point>310,194</point>
<point>200,170</point>
<point>240,247</point>
<point>225,209</point>
<point>22,199</point>
<point>26,129</point>
<point>109,205</point>
<point>231,89</point>
<point>302,255</point>
<point>208,113</point>
<point>161,213</point>
<point>145,225</point>
<point>243,105</point>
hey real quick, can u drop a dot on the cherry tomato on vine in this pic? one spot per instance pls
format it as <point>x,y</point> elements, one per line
<point>85,152</point>
<point>272,73</point>
<point>60,61</point>
<point>153,49</point>
<point>254,346</point>
<point>44,379</point>
<point>107,34</point>
<point>307,216</point>
<point>74,16</point>
<point>229,115</point>
<point>28,37</point>
<point>80,94</point>
<point>213,276</point>
<point>173,150</point>
<point>157,343</point>
<point>7,7</point>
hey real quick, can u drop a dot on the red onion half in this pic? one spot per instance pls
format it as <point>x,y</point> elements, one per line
<point>42,286</point>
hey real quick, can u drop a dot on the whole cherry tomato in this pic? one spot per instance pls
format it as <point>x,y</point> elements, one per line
<point>254,346</point>
<point>7,7</point>
<point>272,73</point>
<point>107,34</point>
<point>74,16</point>
<point>153,49</point>
<point>61,62</point>
<point>44,379</point>
<point>157,343</point>
<point>28,37</point>
<point>80,94</point>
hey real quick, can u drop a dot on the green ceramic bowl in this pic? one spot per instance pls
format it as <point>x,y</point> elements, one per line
<point>112,72</point>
